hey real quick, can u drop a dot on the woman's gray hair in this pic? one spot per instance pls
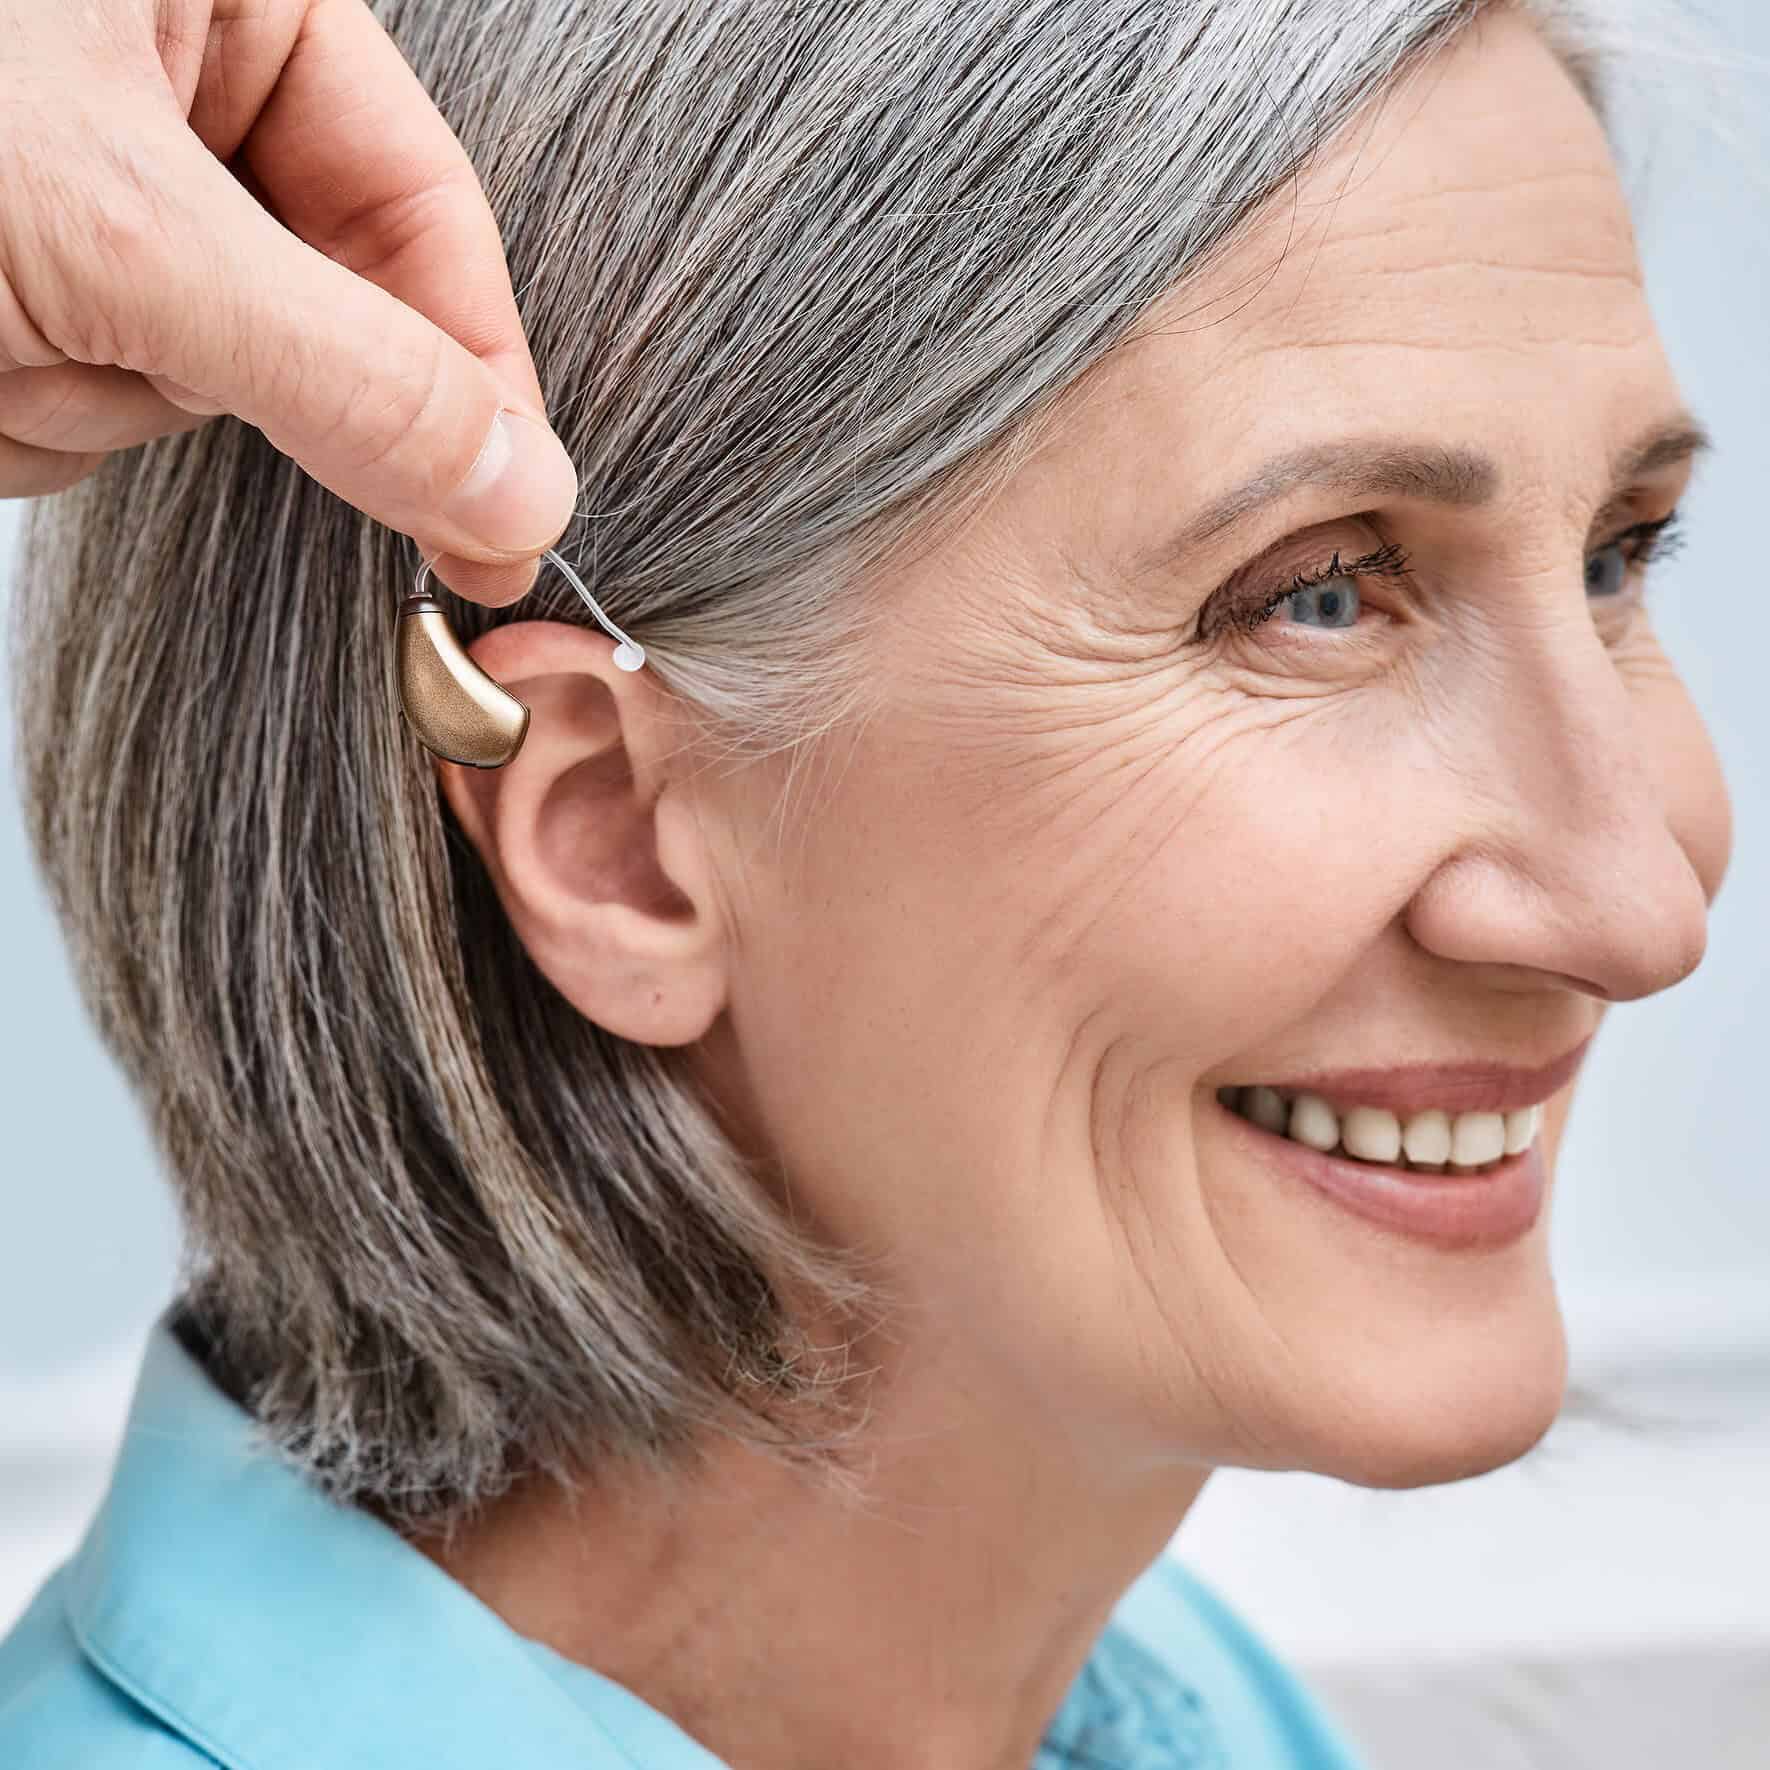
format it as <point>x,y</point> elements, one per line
<point>803,279</point>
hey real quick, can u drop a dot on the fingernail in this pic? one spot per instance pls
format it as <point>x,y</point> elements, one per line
<point>521,489</point>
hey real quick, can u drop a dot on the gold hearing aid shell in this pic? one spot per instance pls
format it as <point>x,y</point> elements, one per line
<point>452,704</point>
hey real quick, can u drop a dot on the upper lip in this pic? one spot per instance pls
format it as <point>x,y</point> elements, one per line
<point>1457,1087</point>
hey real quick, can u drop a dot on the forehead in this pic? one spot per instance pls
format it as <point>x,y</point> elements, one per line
<point>1461,262</point>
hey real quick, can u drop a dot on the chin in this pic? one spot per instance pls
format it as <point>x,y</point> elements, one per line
<point>1472,1402</point>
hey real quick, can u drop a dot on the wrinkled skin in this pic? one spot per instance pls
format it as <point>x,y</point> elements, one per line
<point>1087,869</point>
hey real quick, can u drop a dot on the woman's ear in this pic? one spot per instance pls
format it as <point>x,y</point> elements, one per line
<point>594,845</point>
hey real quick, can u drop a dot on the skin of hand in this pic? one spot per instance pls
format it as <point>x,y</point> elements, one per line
<point>252,206</point>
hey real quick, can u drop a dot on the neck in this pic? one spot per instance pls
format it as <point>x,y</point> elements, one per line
<point>938,1626</point>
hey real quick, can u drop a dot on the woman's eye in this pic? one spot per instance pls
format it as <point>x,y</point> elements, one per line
<point>1333,603</point>
<point>1608,570</point>
<point>1330,598</point>
<point>1327,597</point>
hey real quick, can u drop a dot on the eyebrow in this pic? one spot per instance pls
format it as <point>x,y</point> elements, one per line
<point>1393,467</point>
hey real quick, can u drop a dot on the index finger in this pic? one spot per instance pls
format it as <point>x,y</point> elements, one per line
<point>354,157</point>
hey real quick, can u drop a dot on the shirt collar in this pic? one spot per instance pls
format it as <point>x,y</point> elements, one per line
<point>279,1630</point>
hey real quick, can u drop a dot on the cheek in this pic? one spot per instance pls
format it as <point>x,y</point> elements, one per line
<point>1554,1128</point>
<point>1264,854</point>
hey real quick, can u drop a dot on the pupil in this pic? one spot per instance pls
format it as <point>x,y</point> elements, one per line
<point>1330,603</point>
<point>1606,571</point>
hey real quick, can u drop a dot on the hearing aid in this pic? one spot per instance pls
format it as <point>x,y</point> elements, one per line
<point>458,711</point>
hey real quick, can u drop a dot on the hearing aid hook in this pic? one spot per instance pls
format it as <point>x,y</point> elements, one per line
<point>459,711</point>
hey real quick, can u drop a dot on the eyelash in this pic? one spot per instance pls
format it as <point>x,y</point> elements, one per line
<point>1654,540</point>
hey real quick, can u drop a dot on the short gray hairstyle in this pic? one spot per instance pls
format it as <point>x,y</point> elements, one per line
<point>803,279</point>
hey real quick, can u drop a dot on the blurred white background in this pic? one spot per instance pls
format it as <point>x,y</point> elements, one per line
<point>1607,1598</point>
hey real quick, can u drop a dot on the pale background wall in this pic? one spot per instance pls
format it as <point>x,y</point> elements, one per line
<point>1593,1544</point>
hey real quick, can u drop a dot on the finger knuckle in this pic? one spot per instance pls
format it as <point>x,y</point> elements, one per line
<point>100,271</point>
<point>22,343</point>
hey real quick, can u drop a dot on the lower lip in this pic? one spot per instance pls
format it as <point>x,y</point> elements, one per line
<point>1486,1209</point>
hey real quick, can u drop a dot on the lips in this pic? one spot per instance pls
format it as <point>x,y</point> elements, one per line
<point>1444,1151</point>
<point>1461,1210</point>
<point>1451,1088</point>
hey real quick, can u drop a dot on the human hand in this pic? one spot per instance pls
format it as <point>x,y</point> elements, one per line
<point>252,206</point>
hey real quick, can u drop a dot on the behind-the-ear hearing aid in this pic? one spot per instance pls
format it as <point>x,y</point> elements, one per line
<point>449,701</point>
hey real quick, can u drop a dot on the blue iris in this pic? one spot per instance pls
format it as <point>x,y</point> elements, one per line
<point>1330,604</point>
<point>1607,571</point>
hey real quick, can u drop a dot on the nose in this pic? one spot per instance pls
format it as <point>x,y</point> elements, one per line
<point>1569,865</point>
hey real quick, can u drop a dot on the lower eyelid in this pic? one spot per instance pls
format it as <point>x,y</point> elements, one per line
<point>1364,627</point>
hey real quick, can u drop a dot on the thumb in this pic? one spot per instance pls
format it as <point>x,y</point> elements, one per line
<point>370,397</point>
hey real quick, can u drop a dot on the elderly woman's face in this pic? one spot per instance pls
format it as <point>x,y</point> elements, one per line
<point>1119,844</point>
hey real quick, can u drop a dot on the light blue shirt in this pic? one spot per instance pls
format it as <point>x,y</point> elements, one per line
<point>220,1610</point>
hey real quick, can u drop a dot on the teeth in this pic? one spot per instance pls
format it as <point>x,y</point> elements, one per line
<point>1477,1137</point>
<point>1429,1139</point>
<point>1314,1122</point>
<point>1522,1126</point>
<point>1267,1108</point>
<point>1371,1133</point>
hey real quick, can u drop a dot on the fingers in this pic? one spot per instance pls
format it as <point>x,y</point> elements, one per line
<point>86,408</point>
<point>350,152</point>
<point>374,400</point>
<point>26,472</point>
<point>361,315</point>
<point>184,398</point>
<point>491,584</point>
<point>359,162</point>
<point>58,423</point>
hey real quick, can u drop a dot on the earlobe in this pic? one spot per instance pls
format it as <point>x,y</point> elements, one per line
<point>601,871</point>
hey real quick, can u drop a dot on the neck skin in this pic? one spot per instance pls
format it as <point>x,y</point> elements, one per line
<point>939,1627</point>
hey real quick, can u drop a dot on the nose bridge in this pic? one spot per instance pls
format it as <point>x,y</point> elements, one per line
<point>1614,900</point>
